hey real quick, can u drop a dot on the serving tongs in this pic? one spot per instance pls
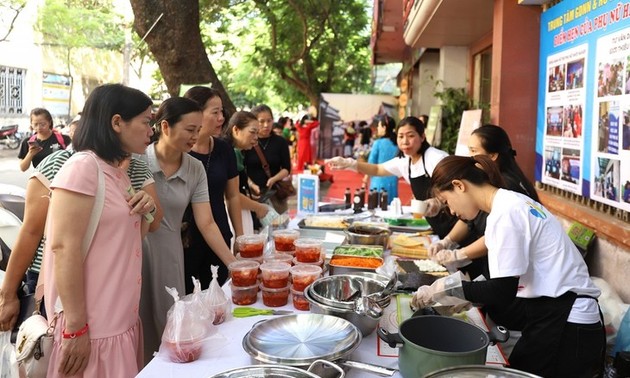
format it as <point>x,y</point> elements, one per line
<point>244,312</point>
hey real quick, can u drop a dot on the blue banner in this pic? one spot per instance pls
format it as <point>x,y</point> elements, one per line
<point>583,125</point>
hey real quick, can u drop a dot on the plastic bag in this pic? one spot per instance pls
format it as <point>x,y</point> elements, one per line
<point>622,344</point>
<point>8,364</point>
<point>185,331</point>
<point>215,299</point>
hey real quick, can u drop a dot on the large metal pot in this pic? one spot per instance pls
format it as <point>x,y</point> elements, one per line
<point>368,234</point>
<point>476,371</point>
<point>431,342</point>
<point>340,291</point>
<point>365,323</point>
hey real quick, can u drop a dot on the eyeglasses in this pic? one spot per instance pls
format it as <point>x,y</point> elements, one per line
<point>39,124</point>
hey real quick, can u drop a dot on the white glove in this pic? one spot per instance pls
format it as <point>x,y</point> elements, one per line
<point>446,290</point>
<point>271,215</point>
<point>445,243</point>
<point>433,207</point>
<point>456,258</point>
<point>338,163</point>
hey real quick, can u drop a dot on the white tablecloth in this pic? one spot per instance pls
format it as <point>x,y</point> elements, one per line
<point>226,354</point>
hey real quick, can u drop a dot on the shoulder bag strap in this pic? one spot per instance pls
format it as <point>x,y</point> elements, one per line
<point>263,160</point>
<point>97,210</point>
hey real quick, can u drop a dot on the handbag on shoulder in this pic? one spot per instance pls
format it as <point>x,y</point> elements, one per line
<point>284,188</point>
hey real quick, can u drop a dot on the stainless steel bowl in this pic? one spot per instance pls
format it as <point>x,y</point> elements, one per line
<point>368,234</point>
<point>299,340</point>
<point>335,290</point>
<point>364,323</point>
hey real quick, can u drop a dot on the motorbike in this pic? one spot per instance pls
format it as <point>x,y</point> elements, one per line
<point>10,136</point>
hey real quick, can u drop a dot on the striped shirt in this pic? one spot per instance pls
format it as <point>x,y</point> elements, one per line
<point>138,172</point>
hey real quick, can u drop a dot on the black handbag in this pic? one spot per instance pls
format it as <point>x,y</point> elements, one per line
<point>284,188</point>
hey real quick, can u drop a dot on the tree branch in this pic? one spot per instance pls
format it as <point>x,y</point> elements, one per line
<point>17,11</point>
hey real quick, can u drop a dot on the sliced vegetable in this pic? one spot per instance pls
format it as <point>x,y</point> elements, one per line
<point>359,250</point>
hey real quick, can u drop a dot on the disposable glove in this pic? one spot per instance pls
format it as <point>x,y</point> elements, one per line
<point>445,243</point>
<point>338,163</point>
<point>455,258</point>
<point>447,291</point>
<point>271,215</point>
<point>433,207</point>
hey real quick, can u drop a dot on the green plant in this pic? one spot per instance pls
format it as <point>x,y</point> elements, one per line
<point>454,102</point>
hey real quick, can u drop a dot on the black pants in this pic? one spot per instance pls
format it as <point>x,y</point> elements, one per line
<point>581,351</point>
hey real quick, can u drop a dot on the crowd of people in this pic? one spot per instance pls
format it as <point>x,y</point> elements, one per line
<point>176,181</point>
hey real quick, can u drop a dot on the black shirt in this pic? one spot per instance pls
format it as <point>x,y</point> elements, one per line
<point>49,146</point>
<point>276,151</point>
<point>220,169</point>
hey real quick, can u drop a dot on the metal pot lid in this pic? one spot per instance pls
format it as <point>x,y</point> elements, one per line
<point>479,371</point>
<point>299,340</point>
<point>266,371</point>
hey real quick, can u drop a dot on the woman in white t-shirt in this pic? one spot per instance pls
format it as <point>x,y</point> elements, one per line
<point>415,164</point>
<point>531,257</point>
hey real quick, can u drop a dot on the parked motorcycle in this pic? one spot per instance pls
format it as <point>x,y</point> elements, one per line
<point>10,137</point>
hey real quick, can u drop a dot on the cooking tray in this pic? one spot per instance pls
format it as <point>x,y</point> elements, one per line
<point>299,340</point>
<point>302,224</point>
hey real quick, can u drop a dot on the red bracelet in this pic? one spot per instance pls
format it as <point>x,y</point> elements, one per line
<point>76,334</point>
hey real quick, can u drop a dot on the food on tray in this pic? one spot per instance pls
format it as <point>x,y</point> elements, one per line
<point>326,222</point>
<point>429,266</point>
<point>356,262</point>
<point>359,250</point>
<point>410,246</point>
<point>406,241</point>
<point>408,221</point>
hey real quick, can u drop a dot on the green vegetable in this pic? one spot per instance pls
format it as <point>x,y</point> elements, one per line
<point>359,250</point>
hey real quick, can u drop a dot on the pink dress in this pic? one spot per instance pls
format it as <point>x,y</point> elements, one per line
<point>112,274</point>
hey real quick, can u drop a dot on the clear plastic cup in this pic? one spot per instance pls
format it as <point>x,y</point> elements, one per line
<point>319,263</point>
<point>279,257</point>
<point>303,275</point>
<point>258,259</point>
<point>275,297</point>
<point>243,272</point>
<point>283,240</point>
<point>275,274</point>
<point>251,245</point>
<point>244,295</point>
<point>308,250</point>
<point>299,300</point>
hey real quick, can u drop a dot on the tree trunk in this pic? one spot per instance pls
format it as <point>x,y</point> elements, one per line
<point>178,51</point>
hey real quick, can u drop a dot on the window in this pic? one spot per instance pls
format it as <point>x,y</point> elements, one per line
<point>482,81</point>
<point>11,90</point>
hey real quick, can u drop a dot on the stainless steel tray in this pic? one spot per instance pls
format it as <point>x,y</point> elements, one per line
<point>299,340</point>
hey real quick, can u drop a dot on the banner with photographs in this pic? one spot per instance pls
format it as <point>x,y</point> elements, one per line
<point>583,128</point>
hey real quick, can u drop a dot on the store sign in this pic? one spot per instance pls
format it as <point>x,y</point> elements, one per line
<point>56,94</point>
<point>583,128</point>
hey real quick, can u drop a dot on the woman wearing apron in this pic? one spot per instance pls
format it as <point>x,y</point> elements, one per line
<point>530,257</point>
<point>414,164</point>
